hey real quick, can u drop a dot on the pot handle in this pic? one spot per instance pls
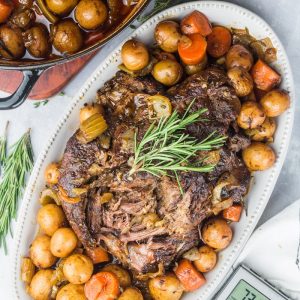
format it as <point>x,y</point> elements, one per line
<point>19,96</point>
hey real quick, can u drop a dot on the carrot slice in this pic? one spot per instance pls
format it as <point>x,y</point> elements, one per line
<point>219,41</point>
<point>102,286</point>
<point>196,22</point>
<point>265,78</point>
<point>97,255</point>
<point>190,278</point>
<point>192,49</point>
<point>6,7</point>
<point>233,213</point>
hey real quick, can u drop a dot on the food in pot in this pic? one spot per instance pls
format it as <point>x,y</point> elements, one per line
<point>27,269</point>
<point>90,14</point>
<point>40,252</point>
<point>11,42</point>
<point>23,19</point>
<point>61,7</point>
<point>170,129</point>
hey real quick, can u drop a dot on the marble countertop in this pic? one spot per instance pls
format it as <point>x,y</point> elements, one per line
<point>282,15</point>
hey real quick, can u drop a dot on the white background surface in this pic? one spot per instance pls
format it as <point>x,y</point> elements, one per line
<point>282,15</point>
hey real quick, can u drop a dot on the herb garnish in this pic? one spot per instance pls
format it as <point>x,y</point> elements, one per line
<point>16,166</point>
<point>39,103</point>
<point>3,145</point>
<point>159,5</point>
<point>166,149</point>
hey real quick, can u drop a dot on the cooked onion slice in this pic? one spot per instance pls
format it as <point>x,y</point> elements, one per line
<point>159,106</point>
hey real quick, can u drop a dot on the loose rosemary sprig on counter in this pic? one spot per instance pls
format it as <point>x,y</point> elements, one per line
<point>3,145</point>
<point>16,166</point>
<point>166,149</point>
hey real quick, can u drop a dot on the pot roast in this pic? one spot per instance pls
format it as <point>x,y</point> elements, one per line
<point>145,222</point>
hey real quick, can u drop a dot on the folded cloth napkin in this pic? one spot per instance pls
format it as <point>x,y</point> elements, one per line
<point>273,251</point>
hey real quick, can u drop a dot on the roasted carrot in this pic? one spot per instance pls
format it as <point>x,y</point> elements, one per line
<point>190,278</point>
<point>219,41</point>
<point>102,286</point>
<point>196,22</point>
<point>6,7</point>
<point>265,78</point>
<point>97,255</point>
<point>233,213</point>
<point>192,49</point>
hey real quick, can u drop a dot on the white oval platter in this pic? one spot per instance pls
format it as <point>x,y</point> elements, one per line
<point>218,12</point>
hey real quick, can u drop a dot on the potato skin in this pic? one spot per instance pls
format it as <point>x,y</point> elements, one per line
<point>167,72</point>
<point>131,294</point>
<point>66,36</point>
<point>122,275</point>
<point>61,7</point>
<point>275,102</point>
<point>50,217</point>
<point>167,35</point>
<point>166,287</point>
<point>51,174</point>
<point>251,115</point>
<point>40,286</point>
<point>71,292</point>
<point>259,157</point>
<point>264,132</point>
<point>208,259</point>
<point>90,14</point>
<point>135,55</point>
<point>216,233</point>
<point>63,242</point>
<point>78,268</point>
<point>40,252</point>
<point>239,56</point>
<point>241,81</point>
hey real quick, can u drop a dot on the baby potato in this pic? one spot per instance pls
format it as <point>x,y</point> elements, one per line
<point>251,115</point>
<point>216,233</point>
<point>41,286</point>
<point>40,252</point>
<point>50,217</point>
<point>71,292</point>
<point>167,72</point>
<point>241,81</point>
<point>259,157</point>
<point>61,7</point>
<point>52,173</point>
<point>135,55</point>
<point>122,275</point>
<point>275,103</point>
<point>78,268</point>
<point>167,35</point>
<point>208,259</point>
<point>166,287</point>
<point>239,56</point>
<point>264,132</point>
<point>27,269</point>
<point>90,109</point>
<point>131,294</point>
<point>90,14</point>
<point>63,242</point>
<point>193,69</point>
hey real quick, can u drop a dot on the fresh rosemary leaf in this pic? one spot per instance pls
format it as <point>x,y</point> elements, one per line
<point>3,145</point>
<point>16,166</point>
<point>165,149</point>
<point>159,5</point>
<point>39,103</point>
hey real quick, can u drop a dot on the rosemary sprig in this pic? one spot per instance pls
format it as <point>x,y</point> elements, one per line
<point>166,149</point>
<point>159,5</point>
<point>3,146</point>
<point>16,166</point>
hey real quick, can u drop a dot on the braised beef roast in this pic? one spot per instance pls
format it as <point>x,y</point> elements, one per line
<point>146,223</point>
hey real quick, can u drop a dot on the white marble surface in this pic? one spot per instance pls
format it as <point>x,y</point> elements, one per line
<point>282,15</point>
